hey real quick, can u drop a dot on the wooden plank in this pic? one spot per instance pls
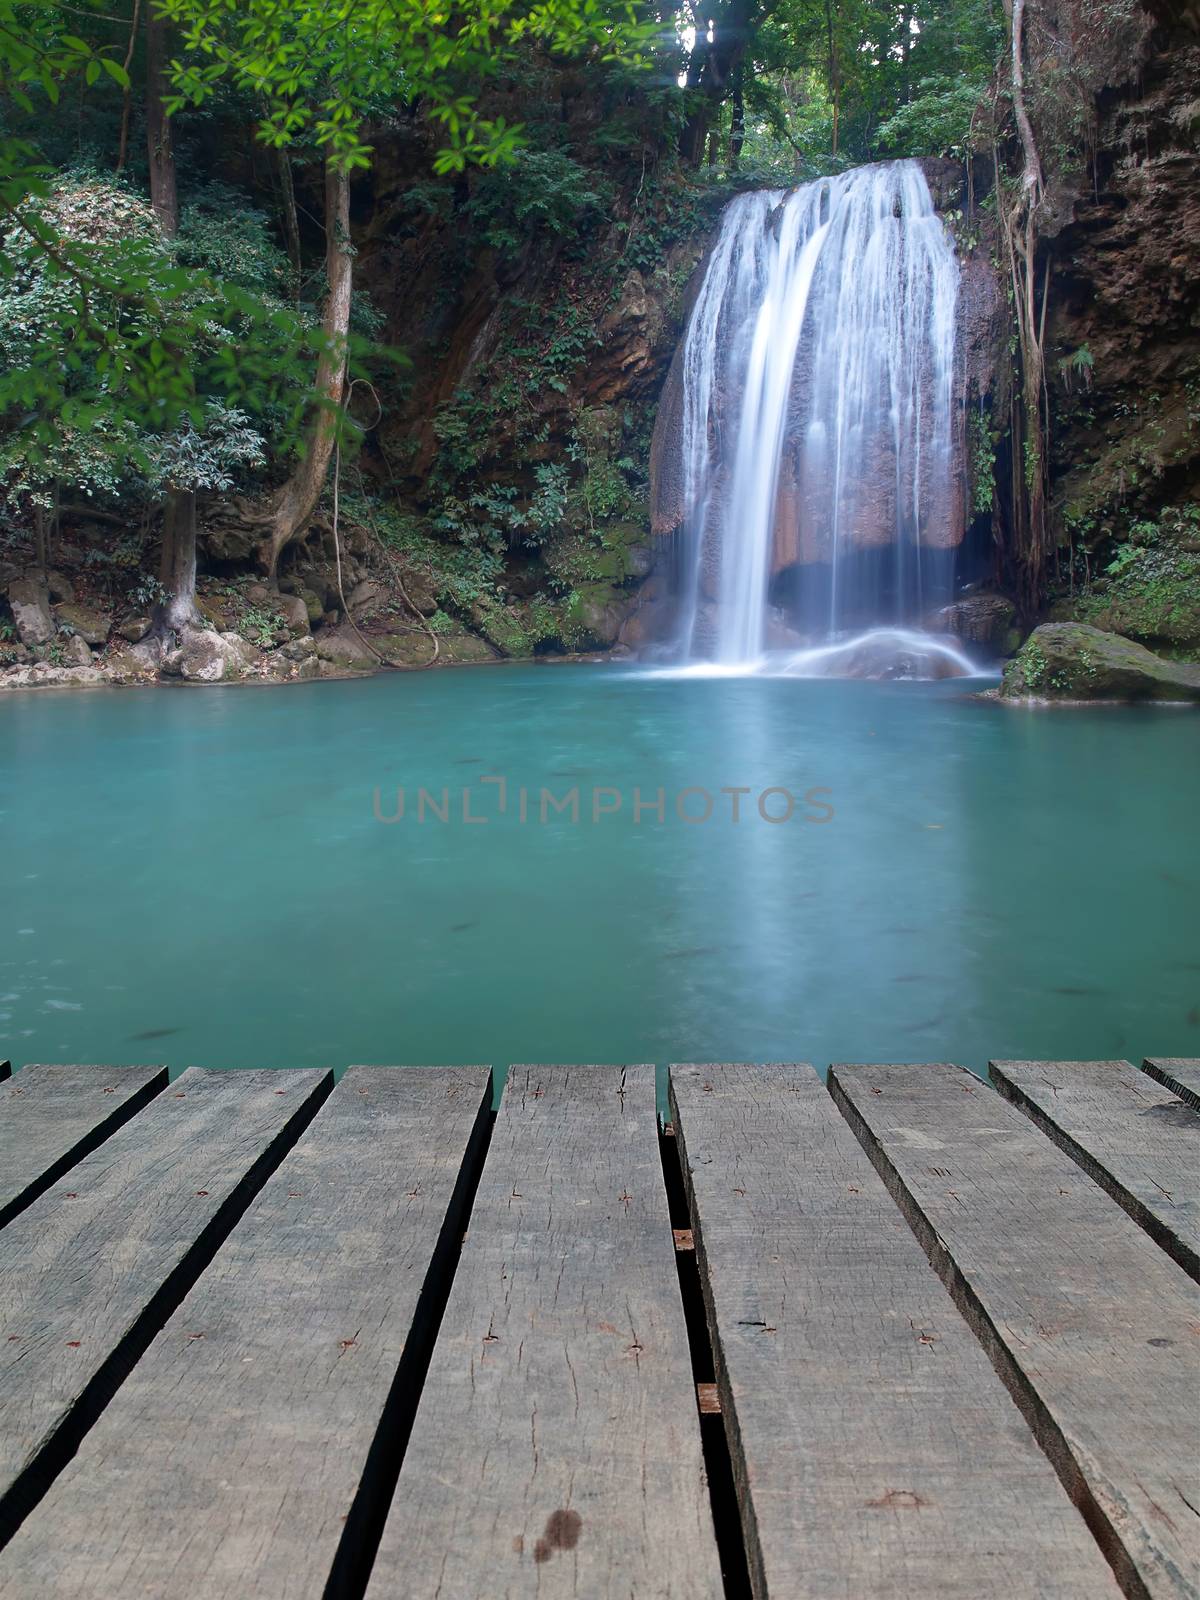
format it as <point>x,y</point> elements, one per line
<point>53,1116</point>
<point>1090,1324</point>
<point>228,1463</point>
<point>88,1270</point>
<point>556,1450</point>
<point>1139,1142</point>
<point>875,1451</point>
<point>1180,1074</point>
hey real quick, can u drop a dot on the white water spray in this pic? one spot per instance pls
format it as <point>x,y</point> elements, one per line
<point>818,427</point>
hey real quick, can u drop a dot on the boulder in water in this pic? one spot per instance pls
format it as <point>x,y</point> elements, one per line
<point>884,653</point>
<point>1071,661</point>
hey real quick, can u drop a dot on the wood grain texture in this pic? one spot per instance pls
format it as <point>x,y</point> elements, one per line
<point>876,1452</point>
<point>1138,1141</point>
<point>1092,1326</point>
<point>1180,1074</point>
<point>557,1448</point>
<point>228,1462</point>
<point>51,1116</point>
<point>86,1265</point>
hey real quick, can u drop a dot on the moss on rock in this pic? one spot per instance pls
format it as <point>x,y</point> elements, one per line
<point>1071,661</point>
<point>1151,590</point>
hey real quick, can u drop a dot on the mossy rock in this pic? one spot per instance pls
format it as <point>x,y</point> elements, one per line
<point>409,649</point>
<point>1163,612</point>
<point>1071,661</point>
<point>593,616</point>
<point>461,649</point>
<point>617,552</point>
<point>85,622</point>
<point>220,611</point>
<point>1151,589</point>
<point>504,627</point>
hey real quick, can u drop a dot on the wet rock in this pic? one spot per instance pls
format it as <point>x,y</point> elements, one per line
<point>85,622</point>
<point>134,629</point>
<point>502,627</point>
<point>628,337</point>
<point>75,651</point>
<point>299,649</point>
<point>205,656</point>
<point>314,606</point>
<point>294,611</point>
<point>983,619</point>
<point>651,621</point>
<point>460,649</point>
<point>136,663</point>
<point>640,560</point>
<point>235,543</point>
<point>366,598</point>
<point>342,648</point>
<point>43,675</point>
<point>419,588</point>
<point>220,611</point>
<point>1070,661</point>
<point>410,648</point>
<point>594,616</point>
<point>29,602</point>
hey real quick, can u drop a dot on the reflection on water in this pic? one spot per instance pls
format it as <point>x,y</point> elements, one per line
<point>200,876</point>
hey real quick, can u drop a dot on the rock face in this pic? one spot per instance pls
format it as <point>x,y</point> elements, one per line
<point>1070,661</point>
<point>1124,308</point>
<point>30,605</point>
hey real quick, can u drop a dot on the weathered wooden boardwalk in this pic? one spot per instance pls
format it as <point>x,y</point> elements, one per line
<point>906,1333</point>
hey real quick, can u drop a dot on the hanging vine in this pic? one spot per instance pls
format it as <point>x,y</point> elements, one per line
<point>1019,206</point>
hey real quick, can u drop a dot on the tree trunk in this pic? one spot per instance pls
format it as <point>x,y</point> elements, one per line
<point>40,553</point>
<point>127,92</point>
<point>296,501</point>
<point>291,222</point>
<point>163,195</point>
<point>834,65</point>
<point>737,119</point>
<point>177,567</point>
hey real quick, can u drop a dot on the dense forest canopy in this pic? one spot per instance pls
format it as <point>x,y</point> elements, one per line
<point>186,187</point>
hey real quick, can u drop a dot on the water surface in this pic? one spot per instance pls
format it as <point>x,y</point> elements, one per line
<point>198,876</point>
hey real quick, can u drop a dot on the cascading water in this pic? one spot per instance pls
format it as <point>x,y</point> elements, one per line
<point>817,429</point>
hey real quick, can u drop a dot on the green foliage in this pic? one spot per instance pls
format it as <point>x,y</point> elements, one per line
<point>1077,368</point>
<point>1150,588</point>
<point>222,235</point>
<point>548,507</point>
<point>261,627</point>
<point>937,121</point>
<point>537,191</point>
<point>324,67</point>
<point>983,462</point>
<point>118,365</point>
<point>461,555</point>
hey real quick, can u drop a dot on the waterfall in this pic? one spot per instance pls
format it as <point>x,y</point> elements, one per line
<point>820,490</point>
